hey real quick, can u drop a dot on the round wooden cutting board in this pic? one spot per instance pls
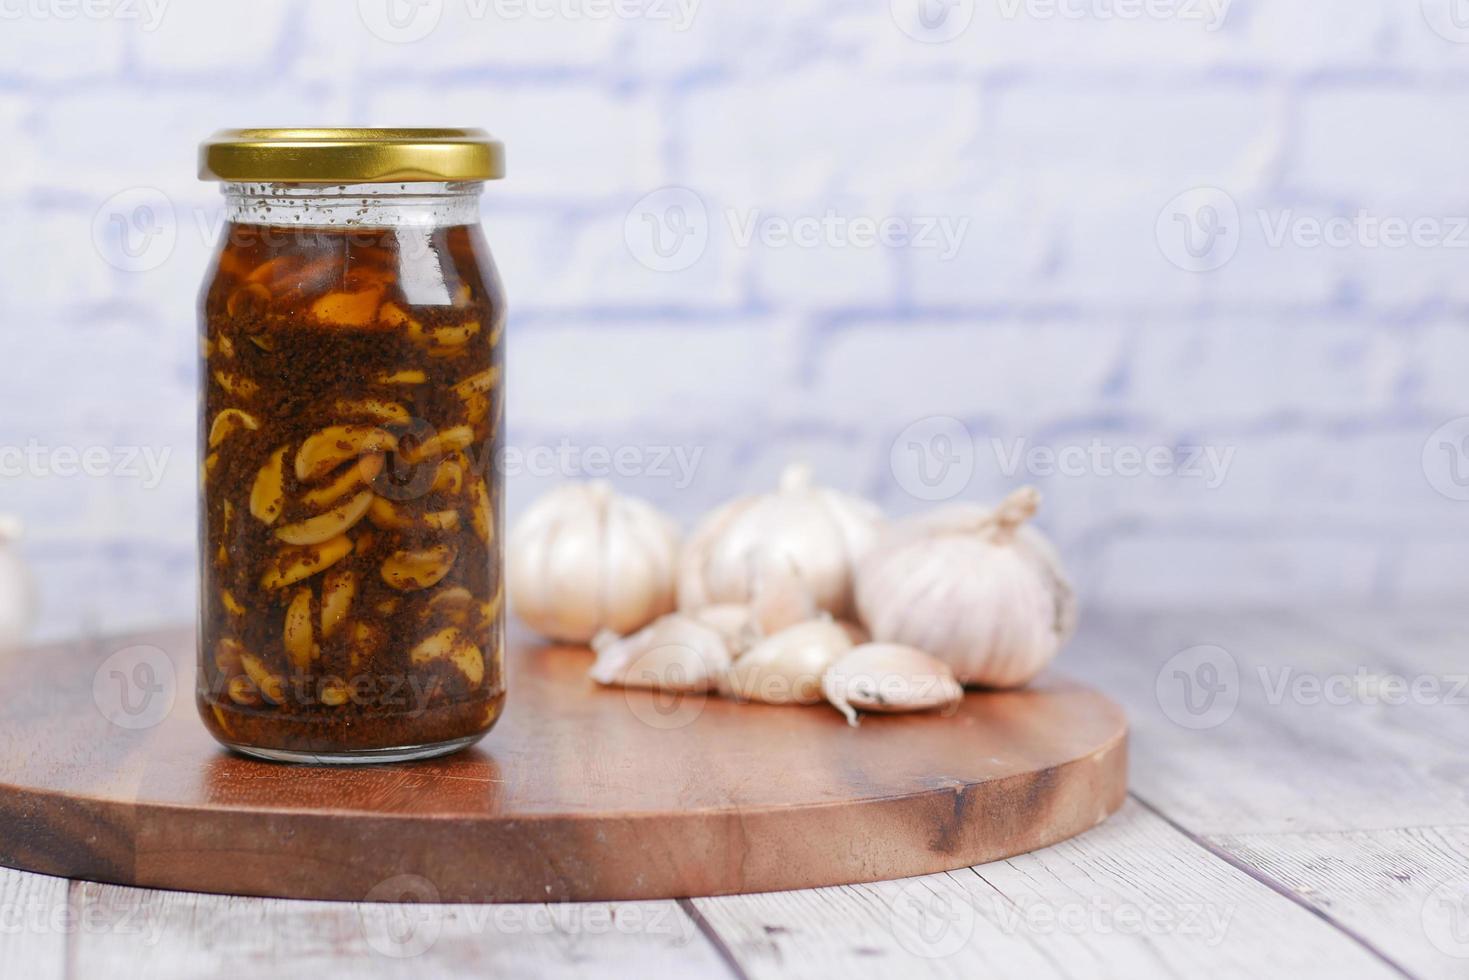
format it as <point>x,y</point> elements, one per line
<point>580,792</point>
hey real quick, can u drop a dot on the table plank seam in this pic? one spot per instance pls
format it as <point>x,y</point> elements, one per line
<point>711,936</point>
<point>1278,887</point>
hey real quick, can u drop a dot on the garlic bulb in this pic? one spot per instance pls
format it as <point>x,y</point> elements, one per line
<point>978,589</point>
<point>889,678</point>
<point>583,559</point>
<point>810,533</point>
<point>675,653</point>
<point>786,668</point>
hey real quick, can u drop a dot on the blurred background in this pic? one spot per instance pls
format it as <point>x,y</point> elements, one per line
<point>1194,267</point>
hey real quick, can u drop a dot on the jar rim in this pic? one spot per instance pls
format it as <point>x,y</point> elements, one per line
<point>351,155</point>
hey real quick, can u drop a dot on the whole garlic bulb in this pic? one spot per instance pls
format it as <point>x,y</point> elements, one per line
<point>978,589</point>
<point>583,559</point>
<point>810,534</point>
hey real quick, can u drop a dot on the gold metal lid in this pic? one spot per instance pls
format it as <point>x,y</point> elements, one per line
<point>351,156</point>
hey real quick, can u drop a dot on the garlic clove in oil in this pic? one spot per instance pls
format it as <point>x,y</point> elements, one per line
<point>889,678</point>
<point>786,668</point>
<point>979,589</point>
<point>675,653</point>
<point>583,559</point>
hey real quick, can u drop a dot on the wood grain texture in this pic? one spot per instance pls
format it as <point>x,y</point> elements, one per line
<point>1398,889</point>
<point>1288,758</point>
<point>1134,898</point>
<point>36,922</point>
<point>580,793</point>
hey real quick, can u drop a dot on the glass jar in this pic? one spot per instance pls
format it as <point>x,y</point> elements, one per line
<point>351,586</point>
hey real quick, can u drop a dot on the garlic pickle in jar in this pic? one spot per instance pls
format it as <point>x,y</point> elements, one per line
<point>352,394</point>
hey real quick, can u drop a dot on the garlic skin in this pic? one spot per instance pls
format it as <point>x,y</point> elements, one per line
<point>583,559</point>
<point>889,678</point>
<point>977,589</point>
<point>799,533</point>
<point>675,653</point>
<point>787,668</point>
<point>734,621</point>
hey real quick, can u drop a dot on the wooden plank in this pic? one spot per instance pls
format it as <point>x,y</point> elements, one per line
<point>1301,750</point>
<point>1134,897</point>
<point>36,922</point>
<point>187,935</point>
<point>1405,891</point>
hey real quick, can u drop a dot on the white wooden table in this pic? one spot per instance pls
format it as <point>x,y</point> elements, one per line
<point>1300,807</point>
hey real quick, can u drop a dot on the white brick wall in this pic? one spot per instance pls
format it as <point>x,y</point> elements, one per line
<point>1054,142</point>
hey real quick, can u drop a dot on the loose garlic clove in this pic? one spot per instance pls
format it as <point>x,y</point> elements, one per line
<point>889,678</point>
<point>733,621</point>
<point>331,447</point>
<point>338,520</point>
<point>818,532</point>
<point>675,653</point>
<point>979,589</point>
<point>583,558</point>
<point>268,493</point>
<point>787,668</point>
